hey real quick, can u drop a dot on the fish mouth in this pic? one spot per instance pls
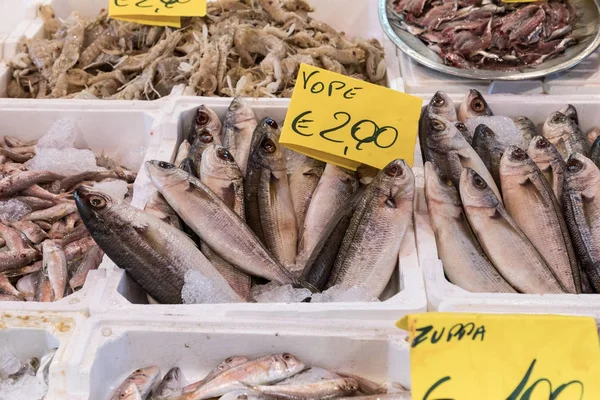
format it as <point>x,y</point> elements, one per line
<point>395,168</point>
<point>516,154</point>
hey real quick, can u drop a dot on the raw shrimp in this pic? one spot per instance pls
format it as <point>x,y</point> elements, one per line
<point>347,56</point>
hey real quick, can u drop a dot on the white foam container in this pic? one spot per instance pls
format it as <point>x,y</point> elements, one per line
<point>116,131</point>
<point>33,334</point>
<point>15,18</point>
<point>109,348</point>
<point>443,295</point>
<point>357,18</point>
<point>584,78</point>
<point>405,293</point>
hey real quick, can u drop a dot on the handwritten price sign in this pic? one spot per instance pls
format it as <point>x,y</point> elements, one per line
<point>348,122</point>
<point>503,357</point>
<point>156,12</point>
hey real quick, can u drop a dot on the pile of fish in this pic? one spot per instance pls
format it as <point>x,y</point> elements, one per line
<point>276,376</point>
<point>255,214</point>
<point>512,211</point>
<point>490,35</point>
<point>27,380</point>
<point>46,250</point>
<point>241,48</point>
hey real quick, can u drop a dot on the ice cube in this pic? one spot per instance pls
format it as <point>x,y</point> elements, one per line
<point>67,161</point>
<point>61,135</point>
<point>199,290</point>
<point>274,293</point>
<point>115,188</point>
<point>131,158</point>
<point>13,210</point>
<point>339,293</point>
<point>504,128</point>
<point>24,387</point>
<point>9,364</point>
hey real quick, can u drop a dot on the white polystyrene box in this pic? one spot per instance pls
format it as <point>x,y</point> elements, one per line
<point>443,295</point>
<point>118,132</point>
<point>29,334</point>
<point>15,18</point>
<point>109,348</point>
<point>404,294</point>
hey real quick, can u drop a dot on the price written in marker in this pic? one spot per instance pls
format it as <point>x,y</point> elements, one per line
<point>156,12</point>
<point>348,122</point>
<point>503,357</point>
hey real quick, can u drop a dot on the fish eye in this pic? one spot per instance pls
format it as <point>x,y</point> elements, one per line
<point>122,395</point>
<point>137,371</point>
<point>271,122</point>
<point>202,118</point>
<point>477,105</point>
<point>518,154</point>
<point>437,125</point>
<point>229,360</point>
<point>242,397</point>
<point>460,126</point>
<point>287,357</point>
<point>438,100</point>
<point>393,170</point>
<point>165,165</point>
<point>223,154</point>
<point>97,202</point>
<point>234,105</point>
<point>479,182</point>
<point>574,165</point>
<point>206,137</point>
<point>542,143</point>
<point>268,146</point>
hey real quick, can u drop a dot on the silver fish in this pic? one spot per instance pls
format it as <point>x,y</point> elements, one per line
<point>238,130</point>
<point>55,265</point>
<point>15,183</point>
<point>205,121</point>
<point>171,385</point>
<point>53,213</point>
<point>325,389</point>
<point>529,200</point>
<point>565,135</point>
<point>440,104</point>
<point>489,148</point>
<point>504,243</point>
<point>226,234</point>
<point>303,182</point>
<point>143,379</point>
<point>155,254</point>
<point>465,263</point>
<point>570,112</point>
<point>226,364</point>
<point>550,162</point>
<point>182,152</point>
<point>32,231</point>
<point>474,105</point>
<point>369,251</point>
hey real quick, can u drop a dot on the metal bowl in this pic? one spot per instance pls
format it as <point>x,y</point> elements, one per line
<point>418,50</point>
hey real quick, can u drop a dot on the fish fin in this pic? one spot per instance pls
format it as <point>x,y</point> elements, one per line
<point>502,213</point>
<point>313,171</point>
<point>539,190</point>
<point>140,227</point>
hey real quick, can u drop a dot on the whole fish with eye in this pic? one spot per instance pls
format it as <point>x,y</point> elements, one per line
<point>267,169</point>
<point>565,135</point>
<point>155,254</point>
<point>474,105</point>
<point>171,385</point>
<point>216,225</point>
<point>451,152</point>
<point>550,162</point>
<point>529,200</point>
<point>143,379</point>
<point>221,174</point>
<point>581,199</point>
<point>507,247</point>
<point>238,129</point>
<point>225,365</point>
<point>370,248</point>
<point>324,389</point>
<point>465,263</point>
<point>206,130</point>
<point>439,104</point>
<point>489,148</point>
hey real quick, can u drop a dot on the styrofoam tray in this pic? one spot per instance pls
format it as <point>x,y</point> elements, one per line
<point>443,295</point>
<point>32,334</point>
<point>109,348</point>
<point>354,17</point>
<point>581,79</point>
<point>405,293</point>
<point>15,18</point>
<point>114,131</point>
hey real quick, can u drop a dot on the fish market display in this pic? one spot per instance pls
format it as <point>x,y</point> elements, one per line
<point>24,380</point>
<point>523,217</point>
<point>490,35</point>
<point>219,231</point>
<point>46,251</point>
<point>240,48</point>
<point>276,376</point>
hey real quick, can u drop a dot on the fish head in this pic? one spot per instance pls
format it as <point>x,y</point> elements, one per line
<point>475,191</point>
<point>570,112</point>
<point>474,105</point>
<point>542,151</point>
<point>231,362</point>
<point>92,204</point>
<point>581,172</point>
<point>144,378</point>
<point>515,161</point>
<point>219,162</point>
<point>289,363</point>
<point>556,125</point>
<point>485,135</point>
<point>462,128</point>
<point>206,121</point>
<point>266,125</point>
<point>163,173</point>
<point>239,111</point>
<point>440,129</point>
<point>394,182</point>
<point>441,104</point>
<point>439,188</point>
<point>268,153</point>
<point>173,380</point>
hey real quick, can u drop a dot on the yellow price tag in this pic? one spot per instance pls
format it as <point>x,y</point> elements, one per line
<point>151,20</point>
<point>348,122</point>
<point>158,8</point>
<point>503,357</point>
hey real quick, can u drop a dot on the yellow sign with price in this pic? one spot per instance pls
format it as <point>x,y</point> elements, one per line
<point>348,122</point>
<point>503,357</point>
<point>156,12</point>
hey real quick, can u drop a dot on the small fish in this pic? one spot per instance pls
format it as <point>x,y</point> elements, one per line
<point>321,390</point>
<point>526,127</point>
<point>53,213</point>
<point>238,129</point>
<point>205,121</point>
<point>489,148</point>
<point>474,105</point>
<point>15,183</point>
<point>550,162</point>
<point>32,231</point>
<point>171,385</point>
<point>565,135</point>
<point>55,265</point>
<point>440,104</point>
<point>143,379</point>
<point>226,364</point>
<point>91,260</point>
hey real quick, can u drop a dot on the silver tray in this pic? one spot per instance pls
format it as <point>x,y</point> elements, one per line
<point>418,51</point>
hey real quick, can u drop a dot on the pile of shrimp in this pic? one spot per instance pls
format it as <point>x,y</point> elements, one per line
<point>250,48</point>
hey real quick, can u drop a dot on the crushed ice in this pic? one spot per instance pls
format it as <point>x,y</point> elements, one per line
<point>9,364</point>
<point>68,161</point>
<point>504,128</point>
<point>274,293</point>
<point>13,210</point>
<point>199,290</point>
<point>342,294</point>
<point>115,188</point>
<point>62,135</point>
<point>17,381</point>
